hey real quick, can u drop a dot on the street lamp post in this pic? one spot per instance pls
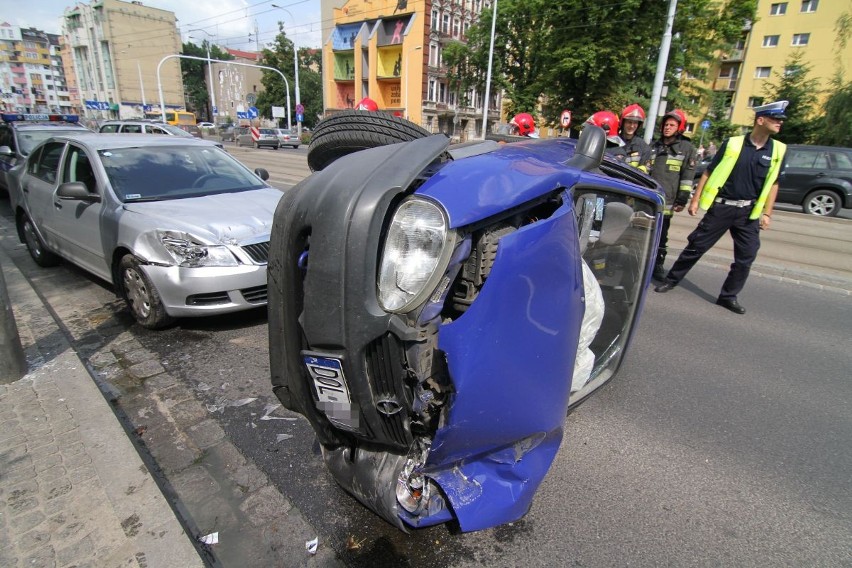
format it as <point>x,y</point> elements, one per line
<point>488,76</point>
<point>407,58</point>
<point>296,71</point>
<point>213,109</point>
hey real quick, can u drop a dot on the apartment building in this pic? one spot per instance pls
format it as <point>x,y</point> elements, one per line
<point>32,78</point>
<point>236,87</point>
<point>392,52</point>
<point>781,29</point>
<point>116,48</point>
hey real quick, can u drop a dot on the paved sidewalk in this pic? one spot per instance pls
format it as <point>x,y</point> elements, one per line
<point>73,489</point>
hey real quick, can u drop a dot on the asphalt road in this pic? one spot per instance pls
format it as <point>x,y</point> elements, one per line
<point>723,441</point>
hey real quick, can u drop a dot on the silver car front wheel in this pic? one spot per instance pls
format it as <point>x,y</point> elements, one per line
<point>141,296</point>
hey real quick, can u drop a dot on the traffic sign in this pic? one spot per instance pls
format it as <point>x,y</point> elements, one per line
<point>565,118</point>
<point>241,114</point>
<point>215,111</point>
<point>300,117</point>
<point>255,133</point>
<point>252,112</point>
<point>300,109</point>
<point>705,124</point>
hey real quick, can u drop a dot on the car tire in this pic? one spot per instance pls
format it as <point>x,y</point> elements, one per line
<point>822,202</point>
<point>35,246</point>
<point>349,131</point>
<point>140,294</point>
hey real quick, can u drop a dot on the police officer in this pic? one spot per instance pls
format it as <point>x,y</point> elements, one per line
<point>635,151</point>
<point>673,167</point>
<point>738,191</point>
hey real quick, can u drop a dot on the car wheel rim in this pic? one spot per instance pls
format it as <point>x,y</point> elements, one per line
<point>137,293</point>
<point>822,205</point>
<point>32,239</point>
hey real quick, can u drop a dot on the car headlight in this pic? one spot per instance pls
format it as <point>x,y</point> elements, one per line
<point>188,252</point>
<point>416,252</point>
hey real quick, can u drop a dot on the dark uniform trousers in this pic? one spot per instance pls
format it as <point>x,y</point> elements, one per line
<point>717,221</point>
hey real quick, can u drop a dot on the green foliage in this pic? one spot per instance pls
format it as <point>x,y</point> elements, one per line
<point>587,55</point>
<point>792,84</point>
<point>195,78</point>
<point>280,57</point>
<point>459,76</point>
<point>720,127</point>
<point>834,126</point>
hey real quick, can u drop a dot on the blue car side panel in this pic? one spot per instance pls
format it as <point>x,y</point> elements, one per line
<point>505,356</point>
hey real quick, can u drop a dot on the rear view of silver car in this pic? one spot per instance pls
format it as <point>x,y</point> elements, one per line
<point>178,226</point>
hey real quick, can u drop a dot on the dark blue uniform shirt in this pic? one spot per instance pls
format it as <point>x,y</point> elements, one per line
<point>749,173</point>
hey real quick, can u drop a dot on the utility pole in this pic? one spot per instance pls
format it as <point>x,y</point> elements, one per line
<point>13,362</point>
<point>662,61</point>
<point>488,76</point>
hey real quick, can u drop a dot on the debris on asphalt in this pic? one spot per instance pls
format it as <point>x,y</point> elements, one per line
<point>282,437</point>
<point>212,538</point>
<point>311,545</point>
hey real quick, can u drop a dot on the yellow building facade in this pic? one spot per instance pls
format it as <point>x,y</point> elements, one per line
<point>781,29</point>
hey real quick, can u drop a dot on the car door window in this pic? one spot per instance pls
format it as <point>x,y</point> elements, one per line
<point>79,168</point>
<point>150,129</point>
<point>842,160</point>
<point>802,159</point>
<point>46,167</point>
<point>821,161</point>
<point>132,129</point>
<point>6,138</point>
<point>109,128</point>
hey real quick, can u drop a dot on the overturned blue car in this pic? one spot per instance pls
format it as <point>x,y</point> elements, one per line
<point>436,310</point>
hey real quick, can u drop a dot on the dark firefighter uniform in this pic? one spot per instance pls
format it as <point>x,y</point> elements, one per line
<point>635,152</point>
<point>673,166</point>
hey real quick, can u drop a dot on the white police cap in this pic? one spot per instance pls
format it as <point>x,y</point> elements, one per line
<point>774,110</point>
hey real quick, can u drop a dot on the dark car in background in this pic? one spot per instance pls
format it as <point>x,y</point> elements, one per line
<point>819,178</point>
<point>20,133</point>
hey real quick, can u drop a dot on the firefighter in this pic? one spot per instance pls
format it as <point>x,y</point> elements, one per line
<point>635,151</point>
<point>522,124</point>
<point>673,166</point>
<point>738,191</point>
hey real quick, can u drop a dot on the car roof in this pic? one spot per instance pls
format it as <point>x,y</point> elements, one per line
<point>810,147</point>
<point>46,125</point>
<point>108,141</point>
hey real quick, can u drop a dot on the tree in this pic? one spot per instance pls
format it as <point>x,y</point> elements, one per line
<point>195,74</point>
<point>720,127</point>
<point>803,93</point>
<point>280,56</point>
<point>834,126</point>
<point>593,55</point>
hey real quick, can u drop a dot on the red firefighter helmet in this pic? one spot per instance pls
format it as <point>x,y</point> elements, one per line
<point>367,104</point>
<point>607,120</point>
<point>633,112</point>
<point>679,116</point>
<point>523,123</point>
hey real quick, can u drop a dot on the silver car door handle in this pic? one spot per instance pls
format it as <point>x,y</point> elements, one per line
<point>57,204</point>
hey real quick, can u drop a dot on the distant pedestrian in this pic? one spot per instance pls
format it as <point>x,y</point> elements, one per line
<point>673,167</point>
<point>711,150</point>
<point>738,191</point>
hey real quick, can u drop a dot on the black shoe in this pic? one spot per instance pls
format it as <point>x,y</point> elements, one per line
<point>664,287</point>
<point>659,273</point>
<point>732,305</point>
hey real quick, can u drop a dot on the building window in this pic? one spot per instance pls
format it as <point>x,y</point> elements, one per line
<point>778,9</point>
<point>762,72</point>
<point>755,101</point>
<point>434,22</point>
<point>431,94</point>
<point>770,41</point>
<point>445,24</point>
<point>809,5</point>
<point>456,27</point>
<point>801,39</point>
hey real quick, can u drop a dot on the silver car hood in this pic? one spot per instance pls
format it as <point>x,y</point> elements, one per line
<point>228,218</point>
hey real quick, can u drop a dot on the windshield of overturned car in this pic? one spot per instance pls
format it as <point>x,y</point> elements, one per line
<point>174,172</point>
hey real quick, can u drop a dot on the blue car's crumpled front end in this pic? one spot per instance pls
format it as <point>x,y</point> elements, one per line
<point>450,407</point>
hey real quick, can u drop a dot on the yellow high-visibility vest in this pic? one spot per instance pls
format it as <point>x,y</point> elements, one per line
<point>726,165</point>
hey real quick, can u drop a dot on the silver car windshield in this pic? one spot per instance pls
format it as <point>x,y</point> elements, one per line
<point>174,172</point>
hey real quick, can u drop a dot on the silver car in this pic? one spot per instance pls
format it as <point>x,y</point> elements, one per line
<point>177,225</point>
<point>287,137</point>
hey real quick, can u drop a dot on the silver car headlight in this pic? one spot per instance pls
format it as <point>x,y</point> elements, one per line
<point>189,252</point>
<point>416,253</point>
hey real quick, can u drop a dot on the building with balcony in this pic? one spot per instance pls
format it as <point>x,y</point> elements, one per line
<point>117,48</point>
<point>392,52</point>
<point>32,78</point>
<point>781,29</point>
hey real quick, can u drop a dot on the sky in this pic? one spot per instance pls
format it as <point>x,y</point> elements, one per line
<point>228,22</point>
